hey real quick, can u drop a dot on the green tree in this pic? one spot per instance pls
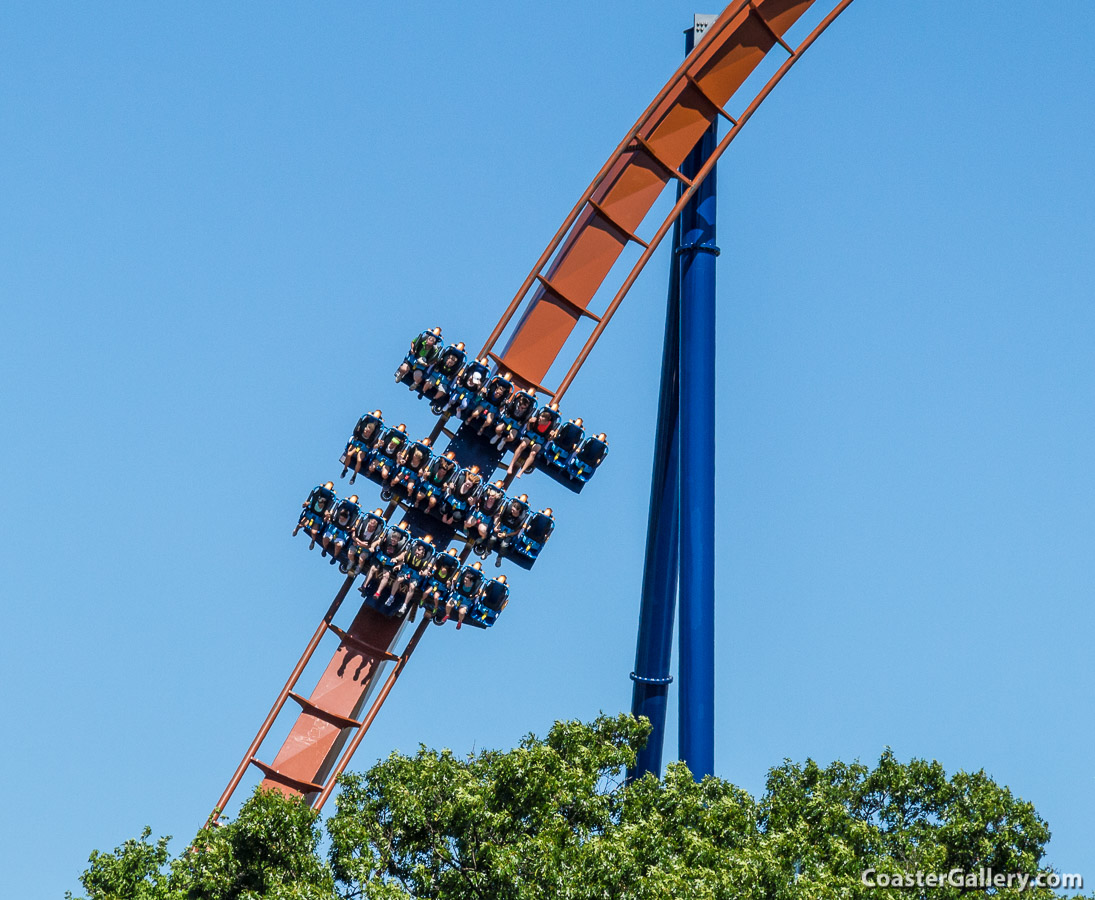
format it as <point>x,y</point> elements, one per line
<point>556,818</point>
<point>271,850</point>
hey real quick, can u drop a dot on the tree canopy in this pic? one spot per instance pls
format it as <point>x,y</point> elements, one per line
<point>558,818</point>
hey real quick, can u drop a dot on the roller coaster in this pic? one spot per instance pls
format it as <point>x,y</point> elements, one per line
<point>441,503</point>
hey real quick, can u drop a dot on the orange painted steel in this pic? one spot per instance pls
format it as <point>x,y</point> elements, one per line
<point>581,255</point>
<point>312,749</point>
<point>355,741</point>
<point>315,740</point>
<point>294,676</point>
<point>686,195</point>
<point>612,208</point>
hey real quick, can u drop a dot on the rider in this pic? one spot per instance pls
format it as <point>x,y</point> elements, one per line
<point>316,511</point>
<point>383,463</point>
<point>509,524</point>
<point>359,451</point>
<point>464,592</point>
<point>441,374</point>
<point>479,520</point>
<point>439,583</point>
<point>467,386</point>
<point>413,460</point>
<point>460,493</point>
<point>432,486</point>
<point>489,406</point>
<point>538,431</point>
<point>424,350</point>
<point>387,558</point>
<point>416,569</point>
<point>337,533</point>
<point>364,539</point>
<point>589,456</point>
<point>515,413</point>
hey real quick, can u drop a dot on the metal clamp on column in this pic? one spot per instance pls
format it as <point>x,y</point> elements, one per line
<point>646,679</point>
<point>701,247</point>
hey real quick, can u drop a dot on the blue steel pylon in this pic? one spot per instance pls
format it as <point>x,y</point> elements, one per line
<point>681,525</point>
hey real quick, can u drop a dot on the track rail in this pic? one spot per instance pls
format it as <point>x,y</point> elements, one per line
<point>556,296</point>
<point>316,751</point>
<point>568,275</point>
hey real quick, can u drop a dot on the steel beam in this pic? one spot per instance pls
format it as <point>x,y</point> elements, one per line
<point>654,647</point>
<point>696,666</point>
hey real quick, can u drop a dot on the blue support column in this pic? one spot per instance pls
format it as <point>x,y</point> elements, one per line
<point>654,647</point>
<point>696,665</point>
<point>681,525</point>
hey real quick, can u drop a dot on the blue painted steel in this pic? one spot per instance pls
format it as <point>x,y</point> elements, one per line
<point>654,647</point>
<point>696,667</point>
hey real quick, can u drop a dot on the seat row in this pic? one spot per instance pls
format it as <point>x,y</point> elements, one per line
<point>460,497</point>
<point>402,572</point>
<point>499,411</point>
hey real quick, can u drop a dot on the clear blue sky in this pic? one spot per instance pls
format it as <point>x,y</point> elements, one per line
<point>221,227</point>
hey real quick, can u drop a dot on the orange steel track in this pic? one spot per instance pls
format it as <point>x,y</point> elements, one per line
<point>563,285</point>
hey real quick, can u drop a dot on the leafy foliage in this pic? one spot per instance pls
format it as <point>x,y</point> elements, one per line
<point>557,818</point>
<point>270,851</point>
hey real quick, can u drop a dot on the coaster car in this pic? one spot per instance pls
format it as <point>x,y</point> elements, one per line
<point>507,526</point>
<point>466,586</point>
<point>492,599</point>
<point>386,561</point>
<point>558,450</point>
<point>385,458</point>
<point>366,530</point>
<point>420,555</point>
<point>432,484</point>
<point>468,386</point>
<point>460,494</point>
<point>534,534</point>
<point>438,586</point>
<point>440,377</point>
<point>540,425</point>
<point>392,544</point>
<point>490,499</point>
<point>480,516</point>
<point>489,406</point>
<point>424,350</point>
<point>515,412</point>
<point>587,458</point>
<point>570,458</point>
<point>362,445</point>
<point>335,539</point>
<point>413,460</point>
<point>316,510</point>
